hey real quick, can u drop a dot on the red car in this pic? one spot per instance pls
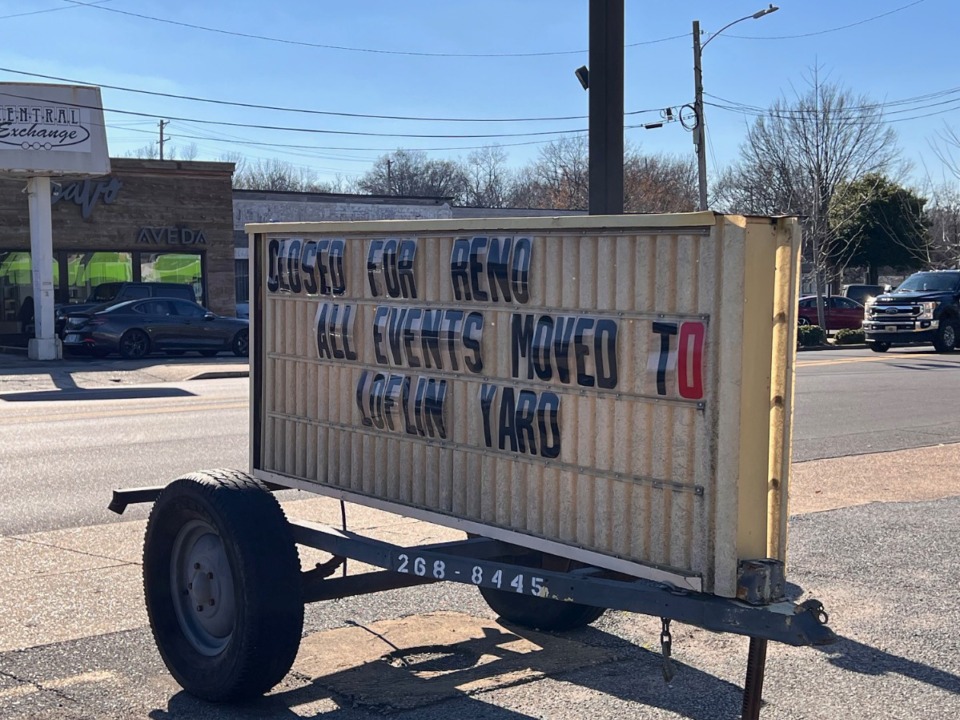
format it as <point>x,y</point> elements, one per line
<point>839,312</point>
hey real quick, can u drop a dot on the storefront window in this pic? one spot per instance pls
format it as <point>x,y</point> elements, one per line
<point>87,270</point>
<point>16,292</point>
<point>173,268</point>
<point>242,279</point>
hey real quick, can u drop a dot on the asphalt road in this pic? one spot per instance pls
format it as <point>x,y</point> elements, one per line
<point>79,448</point>
<point>74,642</point>
<point>851,402</point>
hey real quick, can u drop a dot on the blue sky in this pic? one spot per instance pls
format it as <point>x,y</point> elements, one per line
<point>476,60</point>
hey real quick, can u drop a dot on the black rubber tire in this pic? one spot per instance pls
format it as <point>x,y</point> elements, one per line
<point>538,613</point>
<point>134,344</point>
<point>241,343</point>
<point>221,534</point>
<point>945,340</point>
<point>208,353</point>
<point>879,346</point>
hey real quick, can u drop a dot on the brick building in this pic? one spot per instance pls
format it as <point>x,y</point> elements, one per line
<point>148,220</point>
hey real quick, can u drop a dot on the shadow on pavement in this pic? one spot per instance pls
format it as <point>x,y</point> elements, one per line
<point>77,393</point>
<point>859,658</point>
<point>420,681</point>
<point>449,671</point>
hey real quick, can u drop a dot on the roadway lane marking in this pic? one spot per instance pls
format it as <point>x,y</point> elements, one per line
<point>102,414</point>
<point>57,684</point>
<point>879,358</point>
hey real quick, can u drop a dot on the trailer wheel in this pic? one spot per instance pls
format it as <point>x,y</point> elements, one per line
<point>221,578</point>
<point>539,613</point>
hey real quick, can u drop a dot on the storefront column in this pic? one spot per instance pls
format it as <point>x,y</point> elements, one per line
<point>45,345</point>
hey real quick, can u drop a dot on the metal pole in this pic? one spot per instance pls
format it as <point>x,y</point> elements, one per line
<point>606,107</point>
<point>45,345</point>
<point>699,135</point>
<point>753,687</point>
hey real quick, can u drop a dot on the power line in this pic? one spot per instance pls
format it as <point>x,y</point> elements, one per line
<point>49,10</point>
<point>919,102</point>
<point>95,4</point>
<point>236,140</point>
<point>818,32</point>
<point>232,103</point>
<point>868,106</point>
<point>373,51</point>
<point>316,131</point>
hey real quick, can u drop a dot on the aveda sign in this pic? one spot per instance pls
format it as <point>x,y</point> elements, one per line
<point>51,130</point>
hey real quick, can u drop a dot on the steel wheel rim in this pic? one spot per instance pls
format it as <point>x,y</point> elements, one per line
<point>949,336</point>
<point>243,343</point>
<point>201,583</point>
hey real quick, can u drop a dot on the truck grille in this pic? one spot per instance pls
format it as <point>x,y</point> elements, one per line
<point>882,313</point>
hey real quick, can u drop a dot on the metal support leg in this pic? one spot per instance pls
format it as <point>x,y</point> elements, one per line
<point>753,686</point>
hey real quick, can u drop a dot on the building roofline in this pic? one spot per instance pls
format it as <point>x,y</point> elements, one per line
<point>298,196</point>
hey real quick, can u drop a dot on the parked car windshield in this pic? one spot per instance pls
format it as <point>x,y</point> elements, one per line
<point>104,292</point>
<point>929,281</point>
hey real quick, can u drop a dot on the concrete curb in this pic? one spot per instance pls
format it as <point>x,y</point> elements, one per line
<point>220,374</point>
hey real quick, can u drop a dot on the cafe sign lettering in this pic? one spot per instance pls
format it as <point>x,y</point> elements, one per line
<point>171,236</point>
<point>87,193</point>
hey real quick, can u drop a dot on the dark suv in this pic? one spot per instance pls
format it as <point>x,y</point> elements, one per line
<point>925,308</point>
<point>114,292</point>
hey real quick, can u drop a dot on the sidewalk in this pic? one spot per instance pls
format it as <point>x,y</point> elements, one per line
<point>19,373</point>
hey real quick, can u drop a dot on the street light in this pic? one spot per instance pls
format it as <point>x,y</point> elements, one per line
<point>699,133</point>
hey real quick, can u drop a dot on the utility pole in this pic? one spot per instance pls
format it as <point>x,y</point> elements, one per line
<point>699,136</point>
<point>700,132</point>
<point>389,178</point>
<point>606,107</point>
<point>162,124</point>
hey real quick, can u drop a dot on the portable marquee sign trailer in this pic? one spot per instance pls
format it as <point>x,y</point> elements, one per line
<point>602,404</point>
<point>49,131</point>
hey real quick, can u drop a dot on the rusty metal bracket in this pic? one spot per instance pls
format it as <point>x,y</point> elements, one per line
<point>760,582</point>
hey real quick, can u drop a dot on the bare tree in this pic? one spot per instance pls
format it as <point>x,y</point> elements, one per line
<point>947,149</point>
<point>800,152</point>
<point>488,178</point>
<point>559,178</point>
<point>188,152</point>
<point>151,151</point>
<point>525,192</point>
<point>339,185</point>
<point>274,174</point>
<point>146,152</point>
<point>659,183</point>
<point>943,216</point>
<point>412,173</point>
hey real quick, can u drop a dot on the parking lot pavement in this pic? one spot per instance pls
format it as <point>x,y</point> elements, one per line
<point>74,640</point>
<point>18,373</point>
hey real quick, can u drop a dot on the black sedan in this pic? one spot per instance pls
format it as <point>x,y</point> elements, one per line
<point>136,328</point>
